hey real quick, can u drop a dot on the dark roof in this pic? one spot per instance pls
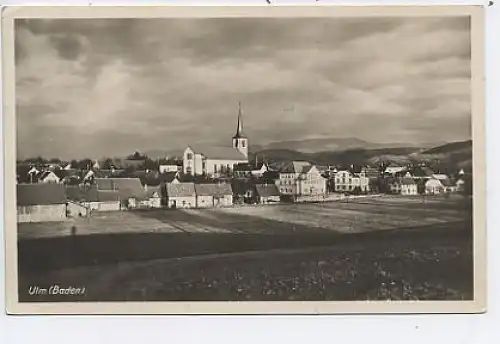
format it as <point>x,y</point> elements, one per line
<point>181,190</point>
<point>223,190</point>
<point>296,167</point>
<point>82,193</point>
<point>213,189</point>
<point>168,177</point>
<point>243,167</point>
<point>127,187</point>
<point>106,184</point>
<point>40,194</point>
<point>447,182</point>
<point>220,153</point>
<point>90,194</point>
<point>267,190</point>
<point>407,181</point>
<point>420,171</point>
<point>241,187</point>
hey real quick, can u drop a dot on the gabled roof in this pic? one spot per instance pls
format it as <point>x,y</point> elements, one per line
<point>152,190</point>
<point>408,181</point>
<point>223,190</point>
<point>82,193</point>
<point>447,182</point>
<point>127,187</point>
<point>296,167</point>
<point>205,189</point>
<point>181,190</point>
<point>168,177</point>
<point>45,174</point>
<point>268,190</point>
<point>216,190</point>
<point>219,153</point>
<point>108,196</point>
<point>40,194</point>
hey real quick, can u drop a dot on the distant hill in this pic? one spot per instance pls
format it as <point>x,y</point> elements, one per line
<point>451,148</point>
<point>454,155</point>
<point>331,145</point>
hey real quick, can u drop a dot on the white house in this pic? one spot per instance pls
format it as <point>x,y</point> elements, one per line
<point>409,187</point>
<point>41,202</point>
<point>216,161</point>
<point>346,181</point>
<point>169,168</point>
<point>434,187</point>
<point>181,195</point>
<point>301,178</point>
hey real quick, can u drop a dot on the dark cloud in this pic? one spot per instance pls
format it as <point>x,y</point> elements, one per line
<point>115,85</point>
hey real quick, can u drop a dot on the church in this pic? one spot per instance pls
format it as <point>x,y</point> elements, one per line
<point>216,161</point>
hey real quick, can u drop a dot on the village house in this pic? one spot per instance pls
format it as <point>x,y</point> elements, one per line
<point>347,181</point>
<point>393,185</point>
<point>154,196</point>
<point>41,202</point>
<point>205,195</point>
<point>422,172</point>
<point>217,161</point>
<point>449,186</point>
<point>169,165</point>
<point>301,178</point>
<point>180,195</point>
<point>48,177</point>
<point>434,186</point>
<point>223,196</point>
<point>92,199</point>
<point>267,193</point>
<point>132,194</point>
<point>409,187</point>
<point>243,170</point>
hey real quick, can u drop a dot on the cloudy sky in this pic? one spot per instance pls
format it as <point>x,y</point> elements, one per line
<point>90,87</point>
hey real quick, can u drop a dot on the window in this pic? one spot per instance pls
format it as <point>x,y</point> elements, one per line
<point>236,143</point>
<point>243,144</point>
<point>190,156</point>
<point>215,167</point>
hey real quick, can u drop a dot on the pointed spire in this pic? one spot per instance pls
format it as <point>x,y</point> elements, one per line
<point>239,128</point>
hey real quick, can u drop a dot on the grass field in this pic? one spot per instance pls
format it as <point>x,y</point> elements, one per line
<point>398,248</point>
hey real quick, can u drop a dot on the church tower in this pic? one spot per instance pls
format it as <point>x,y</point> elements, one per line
<point>240,142</point>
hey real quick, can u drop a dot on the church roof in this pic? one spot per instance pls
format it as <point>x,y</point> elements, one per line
<point>220,153</point>
<point>239,127</point>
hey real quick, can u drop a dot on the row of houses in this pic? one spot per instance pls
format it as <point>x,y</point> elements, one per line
<point>55,202</point>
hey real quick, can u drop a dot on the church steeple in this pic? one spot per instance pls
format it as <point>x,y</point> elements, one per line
<point>240,142</point>
<point>239,128</point>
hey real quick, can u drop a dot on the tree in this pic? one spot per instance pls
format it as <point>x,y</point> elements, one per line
<point>107,164</point>
<point>151,164</point>
<point>85,164</point>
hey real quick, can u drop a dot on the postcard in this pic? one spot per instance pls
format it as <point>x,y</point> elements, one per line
<point>244,159</point>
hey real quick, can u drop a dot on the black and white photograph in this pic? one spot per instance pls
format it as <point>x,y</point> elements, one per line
<point>246,159</point>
